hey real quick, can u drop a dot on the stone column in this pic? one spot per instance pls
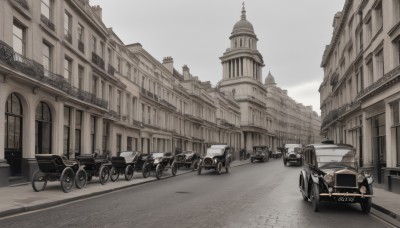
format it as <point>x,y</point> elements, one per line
<point>240,67</point>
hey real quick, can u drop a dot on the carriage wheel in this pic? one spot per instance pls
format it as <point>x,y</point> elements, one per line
<point>159,171</point>
<point>39,181</point>
<point>146,170</point>
<point>80,178</point>
<point>174,168</point>
<point>129,172</point>
<point>67,179</point>
<point>114,174</point>
<point>104,174</point>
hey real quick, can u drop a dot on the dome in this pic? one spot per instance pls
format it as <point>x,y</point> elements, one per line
<point>243,25</point>
<point>270,80</point>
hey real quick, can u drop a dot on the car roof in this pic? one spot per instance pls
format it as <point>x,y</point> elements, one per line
<point>332,146</point>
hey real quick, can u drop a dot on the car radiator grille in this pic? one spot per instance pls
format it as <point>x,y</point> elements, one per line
<point>346,180</point>
<point>181,158</point>
<point>207,161</point>
<point>292,156</point>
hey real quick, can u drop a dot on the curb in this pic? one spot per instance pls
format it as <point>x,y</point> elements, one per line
<point>24,209</point>
<point>386,212</point>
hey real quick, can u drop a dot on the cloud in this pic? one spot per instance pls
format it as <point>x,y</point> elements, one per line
<point>307,94</point>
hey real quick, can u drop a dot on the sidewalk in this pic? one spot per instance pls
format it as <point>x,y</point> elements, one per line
<point>22,198</point>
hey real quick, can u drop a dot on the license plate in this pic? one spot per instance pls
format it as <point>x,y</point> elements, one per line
<point>346,199</point>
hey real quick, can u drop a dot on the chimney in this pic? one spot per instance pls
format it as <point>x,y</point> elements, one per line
<point>186,72</point>
<point>168,62</point>
<point>98,11</point>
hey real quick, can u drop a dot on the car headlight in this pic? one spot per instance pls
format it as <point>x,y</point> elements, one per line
<point>298,155</point>
<point>328,178</point>
<point>215,161</point>
<point>360,178</point>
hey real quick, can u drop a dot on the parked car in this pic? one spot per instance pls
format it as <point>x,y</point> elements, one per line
<point>188,159</point>
<point>95,165</point>
<point>217,157</point>
<point>124,164</point>
<point>293,154</point>
<point>277,153</point>
<point>160,162</point>
<point>331,174</point>
<point>260,153</point>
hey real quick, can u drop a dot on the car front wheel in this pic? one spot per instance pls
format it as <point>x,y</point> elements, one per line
<point>315,197</point>
<point>159,171</point>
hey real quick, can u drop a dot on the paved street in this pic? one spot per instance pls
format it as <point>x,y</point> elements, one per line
<point>254,195</point>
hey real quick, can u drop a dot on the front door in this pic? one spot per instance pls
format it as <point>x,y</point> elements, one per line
<point>13,134</point>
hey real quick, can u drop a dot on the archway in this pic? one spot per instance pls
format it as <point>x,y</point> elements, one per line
<point>13,134</point>
<point>43,129</point>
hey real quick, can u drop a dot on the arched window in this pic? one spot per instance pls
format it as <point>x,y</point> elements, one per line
<point>43,129</point>
<point>13,134</point>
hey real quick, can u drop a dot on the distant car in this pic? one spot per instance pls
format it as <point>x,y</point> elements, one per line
<point>160,163</point>
<point>293,154</point>
<point>330,174</point>
<point>188,159</point>
<point>260,153</point>
<point>217,157</point>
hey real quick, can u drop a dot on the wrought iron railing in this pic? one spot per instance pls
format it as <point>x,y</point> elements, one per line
<point>36,71</point>
<point>47,22</point>
<point>97,60</point>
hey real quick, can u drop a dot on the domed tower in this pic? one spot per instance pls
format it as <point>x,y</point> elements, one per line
<point>270,80</point>
<point>242,59</point>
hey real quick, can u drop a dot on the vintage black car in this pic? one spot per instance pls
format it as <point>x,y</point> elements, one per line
<point>189,159</point>
<point>124,163</point>
<point>95,165</point>
<point>293,154</point>
<point>160,162</point>
<point>217,157</point>
<point>260,153</point>
<point>54,167</point>
<point>330,174</point>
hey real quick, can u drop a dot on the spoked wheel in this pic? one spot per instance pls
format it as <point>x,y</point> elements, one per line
<point>129,172</point>
<point>146,170</point>
<point>159,171</point>
<point>104,174</point>
<point>80,178</point>
<point>199,168</point>
<point>39,181</point>
<point>219,168</point>
<point>67,179</point>
<point>315,197</point>
<point>114,174</point>
<point>174,168</point>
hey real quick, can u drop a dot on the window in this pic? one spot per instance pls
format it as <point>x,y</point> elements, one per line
<point>92,133</point>
<point>68,69</point>
<point>110,97</point>
<point>119,65</point>
<point>46,9</point>
<point>148,115</point>
<point>369,30</point>
<point>43,129</point>
<point>81,73</point>
<point>370,71</point>
<point>129,144</point>
<point>119,138</point>
<point>80,33</point>
<point>102,49</point>
<point>67,26</point>
<point>67,129</point>
<point>128,71</point>
<point>78,131</point>
<point>396,111</point>
<point>359,40</point>
<point>94,44</point>
<point>143,114</point>
<point>380,65</point>
<point>106,133</point>
<point>109,56</point>
<point>378,17</point>
<point>18,39</point>
<point>94,85</point>
<point>119,102</point>
<point>46,57</point>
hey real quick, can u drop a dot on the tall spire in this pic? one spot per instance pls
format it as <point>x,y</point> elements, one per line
<point>243,12</point>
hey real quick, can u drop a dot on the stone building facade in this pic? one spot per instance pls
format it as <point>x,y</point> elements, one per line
<point>360,93</point>
<point>70,86</point>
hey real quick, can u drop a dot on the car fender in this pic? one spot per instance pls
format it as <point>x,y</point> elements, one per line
<point>304,176</point>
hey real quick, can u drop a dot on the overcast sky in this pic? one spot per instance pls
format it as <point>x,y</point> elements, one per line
<point>292,35</point>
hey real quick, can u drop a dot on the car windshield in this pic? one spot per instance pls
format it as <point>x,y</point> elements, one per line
<point>336,158</point>
<point>158,155</point>
<point>214,152</point>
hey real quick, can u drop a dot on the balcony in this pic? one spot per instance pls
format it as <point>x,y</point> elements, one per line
<point>22,3</point>
<point>81,46</point>
<point>37,72</point>
<point>47,22</point>
<point>97,60</point>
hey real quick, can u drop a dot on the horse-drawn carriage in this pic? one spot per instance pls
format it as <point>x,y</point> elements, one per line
<point>95,165</point>
<point>57,168</point>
